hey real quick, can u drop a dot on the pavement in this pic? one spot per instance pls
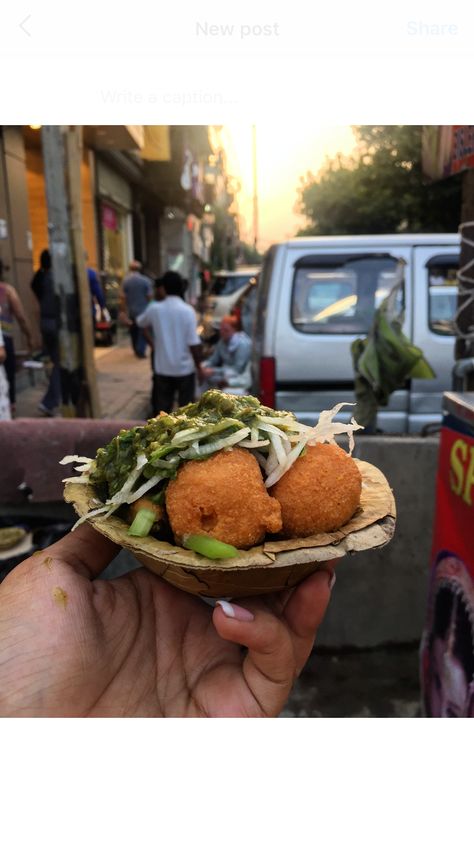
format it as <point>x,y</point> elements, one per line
<point>124,384</point>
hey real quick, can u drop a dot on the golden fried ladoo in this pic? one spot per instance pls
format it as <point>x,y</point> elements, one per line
<point>319,493</point>
<point>223,497</point>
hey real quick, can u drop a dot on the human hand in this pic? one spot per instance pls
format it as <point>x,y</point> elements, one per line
<point>3,354</point>
<point>75,646</point>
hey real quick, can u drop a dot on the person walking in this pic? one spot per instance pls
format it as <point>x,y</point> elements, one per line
<point>43,288</point>
<point>11,308</point>
<point>135,296</point>
<point>176,346</point>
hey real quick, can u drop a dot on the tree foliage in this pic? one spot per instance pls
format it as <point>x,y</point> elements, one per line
<point>380,190</point>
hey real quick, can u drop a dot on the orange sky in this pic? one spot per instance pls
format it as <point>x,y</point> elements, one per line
<point>283,155</point>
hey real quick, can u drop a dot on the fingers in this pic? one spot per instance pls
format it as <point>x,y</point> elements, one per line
<point>305,611</point>
<point>85,550</point>
<point>278,647</point>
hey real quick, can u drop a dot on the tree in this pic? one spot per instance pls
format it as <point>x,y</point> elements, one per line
<point>379,190</point>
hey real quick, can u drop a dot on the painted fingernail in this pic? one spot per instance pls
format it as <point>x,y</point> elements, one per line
<point>231,610</point>
<point>332,580</point>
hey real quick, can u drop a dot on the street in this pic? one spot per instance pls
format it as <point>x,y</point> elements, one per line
<point>124,384</point>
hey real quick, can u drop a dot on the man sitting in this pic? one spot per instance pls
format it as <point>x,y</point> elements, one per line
<point>229,364</point>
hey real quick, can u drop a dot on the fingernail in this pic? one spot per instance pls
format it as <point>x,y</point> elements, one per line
<point>332,580</point>
<point>231,610</point>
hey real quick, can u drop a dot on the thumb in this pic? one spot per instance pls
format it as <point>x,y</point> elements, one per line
<point>85,550</point>
<point>269,668</point>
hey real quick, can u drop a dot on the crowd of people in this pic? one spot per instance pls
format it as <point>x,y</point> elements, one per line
<point>158,318</point>
<point>163,320</point>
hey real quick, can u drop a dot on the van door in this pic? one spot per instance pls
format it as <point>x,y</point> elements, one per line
<point>327,300</point>
<point>435,301</point>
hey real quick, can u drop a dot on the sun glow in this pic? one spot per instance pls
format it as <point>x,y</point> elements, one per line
<point>285,153</point>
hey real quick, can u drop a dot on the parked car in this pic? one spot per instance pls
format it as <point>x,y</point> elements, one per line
<point>226,292</point>
<point>317,294</point>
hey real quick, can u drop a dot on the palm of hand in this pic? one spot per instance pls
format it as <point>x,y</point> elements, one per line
<point>136,646</point>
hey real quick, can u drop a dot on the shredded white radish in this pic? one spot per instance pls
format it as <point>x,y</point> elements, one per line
<point>279,449</point>
<point>326,429</point>
<point>187,435</point>
<point>74,458</point>
<point>88,515</point>
<point>76,479</point>
<point>272,461</point>
<point>281,470</point>
<point>219,445</point>
<point>142,490</point>
<point>270,428</point>
<point>258,443</point>
<point>120,497</point>
<point>279,421</point>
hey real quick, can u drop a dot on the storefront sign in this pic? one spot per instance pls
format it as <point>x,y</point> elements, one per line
<point>447,656</point>
<point>109,218</point>
<point>447,150</point>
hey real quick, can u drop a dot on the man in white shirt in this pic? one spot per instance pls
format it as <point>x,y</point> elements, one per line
<point>176,346</point>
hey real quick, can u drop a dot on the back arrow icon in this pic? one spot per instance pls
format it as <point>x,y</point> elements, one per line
<point>22,26</point>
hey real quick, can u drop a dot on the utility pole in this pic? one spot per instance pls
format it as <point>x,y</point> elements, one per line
<point>90,404</point>
<point>464,347</point>
<point>255,187</point>
<point>78,382</point>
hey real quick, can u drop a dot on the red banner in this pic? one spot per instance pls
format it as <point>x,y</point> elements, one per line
<point>447,655</point>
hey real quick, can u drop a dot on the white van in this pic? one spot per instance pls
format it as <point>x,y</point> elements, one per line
<point>317,294</point>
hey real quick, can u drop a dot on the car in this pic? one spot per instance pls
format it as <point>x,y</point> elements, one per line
<point>316,295</point>
<point>227,289</point>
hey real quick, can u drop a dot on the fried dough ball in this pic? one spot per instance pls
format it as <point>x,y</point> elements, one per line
<point>319,493</point>
<point>223,497</point>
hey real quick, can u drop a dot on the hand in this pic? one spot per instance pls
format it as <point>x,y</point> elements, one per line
<point>3,354</point>
<point>125,320</point>
<point>200,374</point>
<point>75,646</point>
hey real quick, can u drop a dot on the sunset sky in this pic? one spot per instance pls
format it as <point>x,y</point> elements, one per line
<point>284,153</point>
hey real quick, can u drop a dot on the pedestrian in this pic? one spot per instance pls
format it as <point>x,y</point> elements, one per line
<point>43,288</point>
<point>96,291</point>
<point>176,346</point>
<point>136,294</point>
<point>5,412</point>
<point>11,308</point>
<point>229,363</point>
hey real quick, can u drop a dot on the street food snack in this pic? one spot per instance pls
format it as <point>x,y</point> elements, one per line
<point>223,497</point>
<point>320,492</point>
<point>226,485</point>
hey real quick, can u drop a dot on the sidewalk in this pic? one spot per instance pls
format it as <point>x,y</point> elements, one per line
<point>124,384</point>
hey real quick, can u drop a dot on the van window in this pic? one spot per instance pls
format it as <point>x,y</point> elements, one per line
<point>340,296</point>
<point>442,295</point>
<point>226,285</point>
